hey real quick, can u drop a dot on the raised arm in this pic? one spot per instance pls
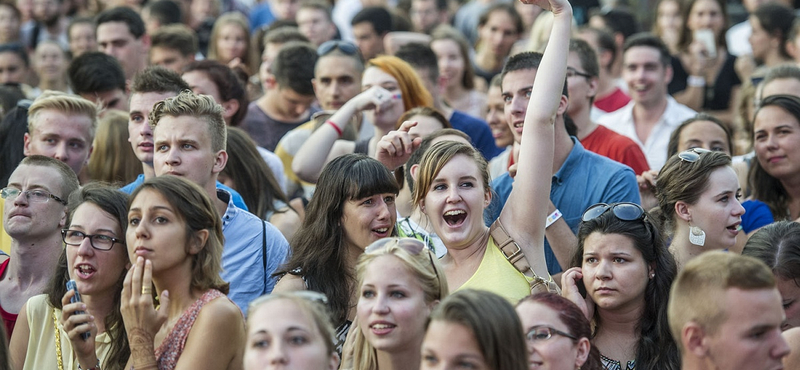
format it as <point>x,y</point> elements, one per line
<point>526,209</point>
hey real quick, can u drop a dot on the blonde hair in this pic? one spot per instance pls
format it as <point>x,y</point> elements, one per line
<point>318,312</point>
<point>424,266</point>
<point>249,58</point>
<point>113,159</point>
<point>203,107</point>
<point>697,295</point>
<point>436,157</point>
<point>63,103</point>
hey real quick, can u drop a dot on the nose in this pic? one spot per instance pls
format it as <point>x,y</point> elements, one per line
<point>85,248</point>
<point>172,157</point>
<point>61,153</point>
<point>739,209</point>
<point>453,194</point>
<point>145,129</point>
<point>383,210</point>
<point>380,305</point>
<point>277,353</point>
<point>21,199</point>
<point>781,348</point>
<point>603,271</point>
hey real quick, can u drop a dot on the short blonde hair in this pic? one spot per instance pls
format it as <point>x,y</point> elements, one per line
<point>318,311</point>
<point>190,104</point>
<point>64,103</point>
<point>697,295</point>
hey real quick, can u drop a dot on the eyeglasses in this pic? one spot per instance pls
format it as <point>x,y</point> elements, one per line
<point>33,196</point>
<point>624,211</point>
<point>572,72</point>
<point>542,333</point>
<point>692,155</point>
<point>97,241</point>
<point>410,245</point>
<point>346,47</point>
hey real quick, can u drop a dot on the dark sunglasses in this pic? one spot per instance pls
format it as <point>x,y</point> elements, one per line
<point>624,211</point>
<point>410,245</point>
<point>692,155</point>
<point>346,47</point>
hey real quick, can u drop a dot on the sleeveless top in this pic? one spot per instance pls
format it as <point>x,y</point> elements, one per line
<point>41,352</point>
<point>497,275</point>
<point>610,364</point>
<point>8,318</point>
<point>170,350</point>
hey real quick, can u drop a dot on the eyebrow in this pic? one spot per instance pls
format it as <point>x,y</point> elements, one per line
<point>98,230</point>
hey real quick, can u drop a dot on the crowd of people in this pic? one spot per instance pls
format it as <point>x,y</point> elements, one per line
<point>399,185</point>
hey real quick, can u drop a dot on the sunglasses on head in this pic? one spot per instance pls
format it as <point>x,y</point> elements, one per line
<point>624,211</point>
<point>410,245</point>
<point>692,155</point>
<point>328,46</point>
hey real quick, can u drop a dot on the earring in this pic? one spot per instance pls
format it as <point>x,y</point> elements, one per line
<point>652,275</point>
<point>697,236</point>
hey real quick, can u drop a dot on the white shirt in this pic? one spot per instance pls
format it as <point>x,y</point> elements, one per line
<point>738,39</point>
<point>655,147</point>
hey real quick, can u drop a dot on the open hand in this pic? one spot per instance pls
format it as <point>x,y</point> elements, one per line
<point>569,290</point>
<point>395,148</point>
<point>138,311</point>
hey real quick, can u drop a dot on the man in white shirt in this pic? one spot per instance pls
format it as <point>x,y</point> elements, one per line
<point>652,114</point>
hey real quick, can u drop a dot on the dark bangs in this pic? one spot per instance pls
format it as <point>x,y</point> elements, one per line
<point>367,177</point>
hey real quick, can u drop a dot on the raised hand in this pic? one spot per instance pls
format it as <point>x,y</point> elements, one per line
<point>569,290</point>
<point>376,97</point>
<point>142,320</point>
<point>647,188</point>
<point>77,324</point>
<point>396,147</point>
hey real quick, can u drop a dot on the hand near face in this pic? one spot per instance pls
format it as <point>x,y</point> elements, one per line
<point>77,324</point>
<point>647,188</point>
<point>396,147</point>
<point>556,6</point>
<point>569,289</point>
<point>376,97</point>
<point>138,311</point>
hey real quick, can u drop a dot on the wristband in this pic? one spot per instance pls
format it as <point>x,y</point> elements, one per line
<point>552,218</point>
<point>696,81</point>
<point>338,130</point>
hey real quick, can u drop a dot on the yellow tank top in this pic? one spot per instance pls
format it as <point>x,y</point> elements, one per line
<point>497,275</point>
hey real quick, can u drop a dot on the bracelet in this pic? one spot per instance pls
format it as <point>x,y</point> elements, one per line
<point>696,81</point>
<point>552,218</point>
<point>95,367</point>
<point>338,130</point>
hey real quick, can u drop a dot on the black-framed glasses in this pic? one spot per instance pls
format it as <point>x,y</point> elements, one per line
<point>33,196</point>
<point>410,245</point>
<point>572,72</point>
<point>624,211</point>
<point>346,47</point>
<point>691,155</point>
<point>540,333</point>
<point>97,241</point>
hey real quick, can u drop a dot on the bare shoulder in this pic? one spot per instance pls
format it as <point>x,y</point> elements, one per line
<point>290,283</point>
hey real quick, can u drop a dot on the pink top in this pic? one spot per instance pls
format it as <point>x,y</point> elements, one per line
<point>168,353</point>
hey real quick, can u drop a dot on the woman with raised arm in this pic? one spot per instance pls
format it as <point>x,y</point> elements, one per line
<point>174,239</point>
<point>453,184</point>
<point>54,333</point>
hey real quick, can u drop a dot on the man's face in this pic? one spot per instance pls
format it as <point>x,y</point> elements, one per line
<point>581,88</point>
<point>64,137</point>
<point>284,9</point>
<point>183,148</point>
<point>517,86</point>
<point>495,117</point>
<point>169,58</point>
<point>368,41</point>
<point>750,337</point>
<point>336,81</point>
<point>46,11</point>
<point>112,99</point>
<point>23,219</point>
<point>315,25</point>
<point>424,15</point>
<point>115,39</point>
<point>139,133</point>
<point>646,77</point>
<point>291,105</point>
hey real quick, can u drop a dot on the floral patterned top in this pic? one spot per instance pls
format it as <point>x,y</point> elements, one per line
<point>170,350</point>
<point>611,364</point>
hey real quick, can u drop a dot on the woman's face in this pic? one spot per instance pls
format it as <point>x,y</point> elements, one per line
<point>455,202</point>
<point>614,272</point>
<point>49,61</point>
<point>385,118</point>
<point>451,62</point>
<point>777,142</point>
<point>282,335</point>
<point>391,308</point>
<point>9,25</point>
<point>96,272</point>
<point>156,232</point>
<point>82,39</point>
<point>669,17</point>
<point>760,40</point>
<point>368,219</point>
<point>706,14</point>
<point>451,346</point>
<point>426,125</point>
<point>499,34</point>
<point>704,134</point>
<point>495,117</point>
<point>718,210</point>
<point>556,353</point>
<point>12,68</point>
<point>790,294</point>
<point>231,43</point>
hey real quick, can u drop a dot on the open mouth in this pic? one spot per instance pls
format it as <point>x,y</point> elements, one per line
<point>455,217</point>
<point>382,231</point>
<point>85,271</point>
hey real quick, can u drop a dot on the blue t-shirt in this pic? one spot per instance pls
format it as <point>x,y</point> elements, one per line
<point>756,215</point>
<point>583,180</point>
<point>479,133</point>
<point>237,199</point>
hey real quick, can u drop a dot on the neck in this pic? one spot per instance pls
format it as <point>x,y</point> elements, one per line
<point>100,307</point>
<point>649,112</point>
<point>583,121</point>
<point>476,247</point>
<point>623,321</point>
<point>455,90</point>
<point>32,261</point>
<point>605,83</point>
<point>488,61</point>
<point>177,281</point>
<point>57,84</point>
<point>563,144</point>
<point>683,250</point>
<point>407,359</point>
<point>774,58</point>
<point>148,170</point>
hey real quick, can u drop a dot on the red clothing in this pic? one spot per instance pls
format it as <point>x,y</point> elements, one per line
<point>8,318</point>
<point>613,101</point>
<point>620,148</point>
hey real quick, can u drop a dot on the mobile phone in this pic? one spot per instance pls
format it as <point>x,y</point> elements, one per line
<point>581,287</point>
<point>706,36</point>
<point>75,299</point>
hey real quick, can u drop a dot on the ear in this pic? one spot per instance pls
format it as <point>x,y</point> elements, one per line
<point>668,74</point>
<point>220,160</point>
<point>63,221</point>
<point>694,339</point>
<point>562,105</point>
<point>91,149</point>
<point>487,198</point>
<point>26,150</point>
<point>605,59</point>
<point>145,41</point>
<point>593,82</point>
<point>314,85</point>
<point>230,107</point>
<point>414,169</point>
<point>201,236</point>
<point>334,362</point>
<point>682,211</point>
<point>584,347</point>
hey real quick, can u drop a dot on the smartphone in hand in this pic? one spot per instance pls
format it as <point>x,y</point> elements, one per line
<point>75,299</point>
<point>706,36</point>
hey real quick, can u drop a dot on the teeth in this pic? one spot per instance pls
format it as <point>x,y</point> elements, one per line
<point>454,212</point>
<point>382,326</point>
<point>382,230</point>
